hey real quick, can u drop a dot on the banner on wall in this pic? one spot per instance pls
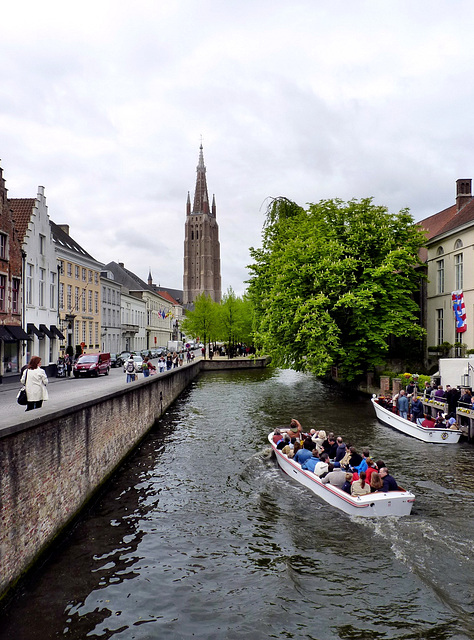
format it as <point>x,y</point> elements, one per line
<point>459,311</point>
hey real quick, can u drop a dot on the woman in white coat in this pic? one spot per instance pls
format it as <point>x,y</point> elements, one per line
<point>35,380</point>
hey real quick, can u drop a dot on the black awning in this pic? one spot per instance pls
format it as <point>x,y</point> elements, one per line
<point>17,332</point>
<point>5,335</point>
<point>46,331</point>
<point>56,331</point>
<point>30,327</point>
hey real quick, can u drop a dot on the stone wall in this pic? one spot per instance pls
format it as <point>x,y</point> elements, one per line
<point>50,467</point>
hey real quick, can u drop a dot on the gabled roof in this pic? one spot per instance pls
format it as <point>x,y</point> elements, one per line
<point>127,278</point>
<point>167,296</point>
<point>62,239</point>
<point>448,220</point>
<point>22,209</point>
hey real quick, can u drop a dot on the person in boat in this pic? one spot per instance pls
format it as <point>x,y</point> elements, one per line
<point>402,404</point>
<point>319,438</point>
<point>322,467</point>
<point>283,442</point>
<point>344,462</point>
<point>389,482</point>
<point>296,447</point>
<point>376,482</point>
<point>379,464</point>
<point>440,422</point>
<point>347,483</point>
<point>451,422</point>
<point>371,468</point>
<point>355,458</point>
<point>340,450</point>
<point>296,429</point>
<point>416,410</point>
<point>360,487</point>
<point>277,436</point>
<point>289,447</point>
<point>310,463</point>
<point>335,476</point>
<point>305,452</point>
<point>329,445</point>
<point>428,422</point>
<point>362,466</point>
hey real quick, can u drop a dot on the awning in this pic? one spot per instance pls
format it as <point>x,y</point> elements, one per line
<point>46,331</point>
<point>30,327</point>
<point>17,332</point>
<point>5,335</point>
<point>56,331</point>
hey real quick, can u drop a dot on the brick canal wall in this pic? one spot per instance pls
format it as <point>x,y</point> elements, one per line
<point>51,466</point>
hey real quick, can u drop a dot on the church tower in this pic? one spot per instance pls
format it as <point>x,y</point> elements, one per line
<point>202,253</point>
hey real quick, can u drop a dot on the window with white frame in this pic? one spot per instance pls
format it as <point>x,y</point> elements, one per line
<point>52,290</point>
<point>30,270</point>
<point>61,295</point>
<point>84,302</point>
<point>69,269</point>
<point>41,286</point>
<point>439,326</point>
<point>84,275</point>
<point>77,273</point>
<point>3,246</point>
<point>69,297</point>
<point>440,276</point>
<point>96,301</point>
<point>84,328</point>
<point>458,271</point>
<point>3,287</point>
<point>15,295</point>
<point>90,301</point>
<point>76,298</point>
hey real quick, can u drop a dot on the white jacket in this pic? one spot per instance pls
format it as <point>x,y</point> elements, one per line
<point>35,381</point>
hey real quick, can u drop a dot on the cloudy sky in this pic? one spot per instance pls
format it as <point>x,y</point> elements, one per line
<point>104,103</point>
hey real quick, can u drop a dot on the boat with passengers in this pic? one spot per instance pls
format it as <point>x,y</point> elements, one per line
<point>392,503</point>
<point>435,435</point>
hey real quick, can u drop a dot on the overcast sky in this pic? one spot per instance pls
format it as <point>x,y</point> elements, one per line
<point>104,103</point>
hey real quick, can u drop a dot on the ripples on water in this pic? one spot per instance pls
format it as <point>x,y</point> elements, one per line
<point>200,535</point>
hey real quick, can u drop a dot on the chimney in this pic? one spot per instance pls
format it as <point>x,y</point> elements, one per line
<point>463,192</point>
<point>121,264</point>
<point>64,227</point>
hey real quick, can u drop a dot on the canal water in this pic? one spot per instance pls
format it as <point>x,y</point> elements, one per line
<point>200,535</point>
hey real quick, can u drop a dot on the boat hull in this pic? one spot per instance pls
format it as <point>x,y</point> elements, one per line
<point>436,436</point>
<point>393,503</point>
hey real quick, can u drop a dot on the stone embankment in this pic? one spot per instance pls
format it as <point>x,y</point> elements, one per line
<point>51,465</point>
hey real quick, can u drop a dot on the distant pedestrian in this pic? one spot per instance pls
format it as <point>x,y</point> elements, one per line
<point>130,369</point>
<point>35,380</point>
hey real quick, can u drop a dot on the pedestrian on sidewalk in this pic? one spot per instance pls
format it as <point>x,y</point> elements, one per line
<point>35,380</point>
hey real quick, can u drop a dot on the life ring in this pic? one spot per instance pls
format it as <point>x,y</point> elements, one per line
<point>444,436</point>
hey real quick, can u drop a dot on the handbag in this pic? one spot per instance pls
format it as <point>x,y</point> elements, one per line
<point>21,397</point>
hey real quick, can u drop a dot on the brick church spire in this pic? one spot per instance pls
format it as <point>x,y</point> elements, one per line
<point>202,262</point>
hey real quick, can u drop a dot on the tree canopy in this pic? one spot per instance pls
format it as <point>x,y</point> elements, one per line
<point>333,282</point>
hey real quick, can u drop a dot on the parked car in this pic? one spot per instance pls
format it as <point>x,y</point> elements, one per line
<point>115,360</point>
<point>92,364</point>
<point>138,363</point>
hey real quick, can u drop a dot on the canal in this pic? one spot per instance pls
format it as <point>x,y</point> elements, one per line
<point>200,535</point>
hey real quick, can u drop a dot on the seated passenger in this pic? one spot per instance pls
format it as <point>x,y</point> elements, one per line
<point>362,466</point>
<point>389,483</point>
<point>335,476</point>
<point>347,483</point>
<point>330,446</point>
<point>355,459</point>
<point>323,465</point>
<point>370,469</point>
<point>451,422</point>
<point>305,452</point>
<point>288,448</point>
<point>283,442</point>
<point>376,483</point>
<point>360,487</point>
<point>296,447</point>
<point>310,463</point>
<point>277,436</point>
<point>319,438</point>
<point>428,422</point>
<point>341,449</point>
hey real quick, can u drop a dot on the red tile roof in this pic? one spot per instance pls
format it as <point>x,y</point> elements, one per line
<point>22,208</point>
<point>167,296</point>
<point>447,220</point>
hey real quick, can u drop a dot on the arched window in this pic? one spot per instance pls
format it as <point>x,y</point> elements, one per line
<point>440,251</point>
<point>458,244</point>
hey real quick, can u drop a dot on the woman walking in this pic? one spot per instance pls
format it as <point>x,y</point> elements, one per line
<point>35,380</point>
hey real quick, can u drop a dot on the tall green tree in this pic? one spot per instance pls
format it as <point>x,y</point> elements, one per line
<point>203,321</point>
<point>235,319</point>
<point>333,282</point>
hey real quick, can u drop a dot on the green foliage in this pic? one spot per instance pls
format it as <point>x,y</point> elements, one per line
<point>203,321</point>
<point>332,283</point>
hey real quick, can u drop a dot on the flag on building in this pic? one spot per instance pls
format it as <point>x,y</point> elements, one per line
<point>459,311</point>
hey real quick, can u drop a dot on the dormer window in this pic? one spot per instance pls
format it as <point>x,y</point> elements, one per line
<point>458,244</point>
<point>439,251</point>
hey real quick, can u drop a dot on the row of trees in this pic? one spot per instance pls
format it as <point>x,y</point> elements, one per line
<point>229,321</point>
<point>334,283</point>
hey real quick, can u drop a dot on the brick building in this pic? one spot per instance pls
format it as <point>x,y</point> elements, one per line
<point>12,336</point>
<point>202,262</point>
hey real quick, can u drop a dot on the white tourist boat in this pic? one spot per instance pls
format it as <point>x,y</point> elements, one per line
<point>393,503</point>
<point>436,435</point>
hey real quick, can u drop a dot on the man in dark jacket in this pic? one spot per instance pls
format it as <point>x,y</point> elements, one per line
<point>341,449</point>
<point>389,483</point>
